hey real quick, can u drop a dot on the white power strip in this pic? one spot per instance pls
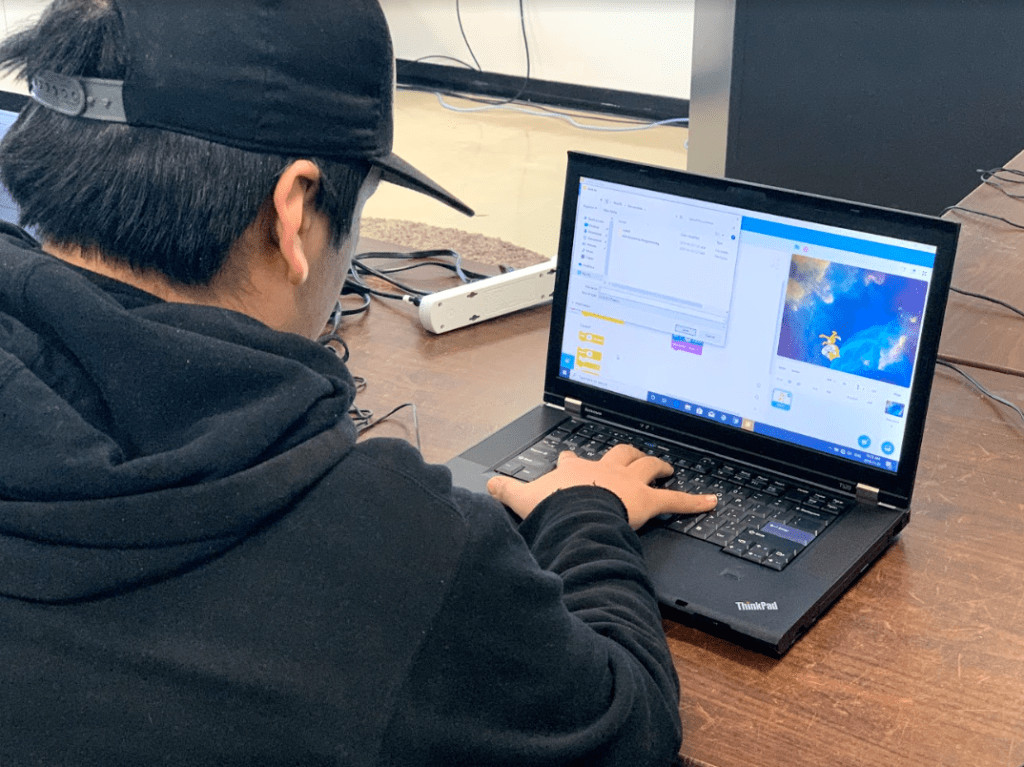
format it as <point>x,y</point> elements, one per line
<point>487,298</point>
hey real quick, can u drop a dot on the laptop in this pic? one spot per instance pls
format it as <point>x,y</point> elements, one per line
<point>777,348</point>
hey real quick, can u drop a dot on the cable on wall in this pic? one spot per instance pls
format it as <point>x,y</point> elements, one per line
<point>508,104</point>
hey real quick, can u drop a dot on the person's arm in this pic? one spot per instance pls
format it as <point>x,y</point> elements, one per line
<point>549,648</point>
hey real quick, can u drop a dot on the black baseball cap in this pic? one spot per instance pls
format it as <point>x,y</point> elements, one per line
<point>292,77</point>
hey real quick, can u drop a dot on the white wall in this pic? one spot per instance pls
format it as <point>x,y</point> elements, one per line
<point>15,14</point>
<point>642,46</point>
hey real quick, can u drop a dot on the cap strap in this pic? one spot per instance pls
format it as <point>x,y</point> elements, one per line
<point>91,97</point>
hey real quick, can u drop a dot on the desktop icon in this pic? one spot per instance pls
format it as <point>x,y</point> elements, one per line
<point>782,399</point>
<point>895,408</point>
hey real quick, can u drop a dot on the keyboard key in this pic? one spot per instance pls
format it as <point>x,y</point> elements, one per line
<point>703,529</point>
<point>815,514</point>
<point>723,536</point>
<point>807,524</point>
<point>536,459</point>
<point>777,560</point>
<point>705,465</point>
<point>684,524</point>
<point>743,477</point>
<point>757,552</point>
<point>510,469</point>
<point>738,546</point>
<point>667,483</point>
<point>530,473</point>
<point>787,533</point>
<point>798,495</point>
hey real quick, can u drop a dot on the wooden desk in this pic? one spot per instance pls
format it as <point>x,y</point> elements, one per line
<point>922,661</point>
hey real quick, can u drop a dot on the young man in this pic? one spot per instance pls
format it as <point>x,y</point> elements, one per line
<point>200,565</point>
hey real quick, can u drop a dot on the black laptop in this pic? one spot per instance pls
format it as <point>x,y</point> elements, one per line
<point>777,348</point>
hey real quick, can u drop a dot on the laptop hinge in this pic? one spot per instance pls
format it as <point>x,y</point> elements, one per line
<point>573,406</point>
<point>867,494</point>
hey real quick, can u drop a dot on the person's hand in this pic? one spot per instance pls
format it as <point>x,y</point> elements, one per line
<point>623,470</point>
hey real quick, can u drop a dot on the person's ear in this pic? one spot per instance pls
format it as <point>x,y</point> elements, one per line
<point>293,200</point>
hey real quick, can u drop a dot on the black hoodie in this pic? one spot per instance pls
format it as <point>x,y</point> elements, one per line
<point>200,565</point>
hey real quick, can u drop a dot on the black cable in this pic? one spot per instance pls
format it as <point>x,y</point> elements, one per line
<point>443,57</point>
<point>426,258</point>
<point>526,47</point>
<point>993,178</point>
<point>355,283</point>
<point>465,276</point>
<point>994,173</point>
<point>332,335</point>
<point>983,390</point>
<point>365,422</point>
<point>990,177</point>
<point>462,30</point>
<point>359,269</point>
<point>566,112</point>
<point>952,358</point>
<point>983,297</point>
<point>981,213</point>
<point>361,417</point>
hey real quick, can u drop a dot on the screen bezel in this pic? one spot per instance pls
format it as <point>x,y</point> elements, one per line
<point>12,102</point>
<point>834,472</point>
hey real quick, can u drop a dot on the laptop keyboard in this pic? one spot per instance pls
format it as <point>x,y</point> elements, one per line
<point>759,518</point>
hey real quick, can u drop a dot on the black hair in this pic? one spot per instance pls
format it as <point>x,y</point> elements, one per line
<point>151,199</point>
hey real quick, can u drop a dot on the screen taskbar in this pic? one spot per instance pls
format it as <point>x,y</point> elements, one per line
<point>861,455</point>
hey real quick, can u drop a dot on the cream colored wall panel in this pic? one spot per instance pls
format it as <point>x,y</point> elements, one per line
<point>643,46</point>
<point>17,13</point>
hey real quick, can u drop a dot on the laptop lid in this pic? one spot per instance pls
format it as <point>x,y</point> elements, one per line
<point>10,106</point>
<point>792,331</point>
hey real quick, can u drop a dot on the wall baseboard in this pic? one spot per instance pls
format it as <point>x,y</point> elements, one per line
<point>644,106</point>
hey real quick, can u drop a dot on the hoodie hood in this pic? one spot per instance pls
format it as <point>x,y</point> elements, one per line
<point>141,438</point>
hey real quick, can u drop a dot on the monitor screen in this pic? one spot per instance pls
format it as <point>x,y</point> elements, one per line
<point>789,328</point>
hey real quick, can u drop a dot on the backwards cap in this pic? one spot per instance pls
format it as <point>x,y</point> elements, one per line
<point>292,77</point>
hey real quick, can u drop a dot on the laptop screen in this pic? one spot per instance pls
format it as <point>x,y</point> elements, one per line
<point>797,330</point>
<point>10,106</point>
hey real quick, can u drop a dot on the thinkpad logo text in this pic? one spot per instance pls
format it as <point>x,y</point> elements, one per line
<point>757,606</point>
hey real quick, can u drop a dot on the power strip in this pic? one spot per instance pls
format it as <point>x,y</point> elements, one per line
<point>488,298</point>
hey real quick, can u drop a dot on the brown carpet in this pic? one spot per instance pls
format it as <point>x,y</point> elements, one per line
<point>473,247</point>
